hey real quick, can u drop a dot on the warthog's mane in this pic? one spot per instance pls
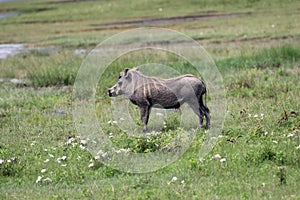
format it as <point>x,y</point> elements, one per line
<point>140,75</point>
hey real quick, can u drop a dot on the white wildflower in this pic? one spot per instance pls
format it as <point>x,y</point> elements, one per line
<point>82,147</point>
<point>83,142</point>
<point>173,180</point>
<point>91,165</point>
<point>223,160</point>
<point>97,157</point>
<point>160,9</point>
<point>122,119</point>
<point>51,155</point>
<point>45,150</point>
<point>33,143</point>
<point>64,157</point>
<point>215,157</point>
<point>1,161</point>
<point>290,135</point>
<point>274,141</point>
<point>273,25</point>
<point>47,160</point>
<point>70,141</point>
<point>298,147</point>
<point>39,178</point>
<point>262,115</point>
<point>9,160</point>
<point>63,165</point>
<point>255,116</point>
<point>182,182</point>
<point>43,170</point>
<point>47,179</point>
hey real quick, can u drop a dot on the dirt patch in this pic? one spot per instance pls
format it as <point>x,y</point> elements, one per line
<point>167,20</point>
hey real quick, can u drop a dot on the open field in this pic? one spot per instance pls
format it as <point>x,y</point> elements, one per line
<point>255,45</point>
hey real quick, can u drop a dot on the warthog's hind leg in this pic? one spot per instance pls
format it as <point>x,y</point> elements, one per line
<point>145,112</point>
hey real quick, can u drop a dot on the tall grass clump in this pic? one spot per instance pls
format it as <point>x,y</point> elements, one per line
<point>53,70</point>
<point>266,58</point>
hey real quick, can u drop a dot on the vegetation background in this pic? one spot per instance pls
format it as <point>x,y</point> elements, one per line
<point>255,45</point>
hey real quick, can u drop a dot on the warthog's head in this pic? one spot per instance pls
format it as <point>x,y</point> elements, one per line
<point>123,84</point>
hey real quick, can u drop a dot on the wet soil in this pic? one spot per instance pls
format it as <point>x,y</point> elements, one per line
<point>167,20</point>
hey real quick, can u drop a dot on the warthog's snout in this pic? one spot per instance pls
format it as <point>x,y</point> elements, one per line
<point>109,93</point>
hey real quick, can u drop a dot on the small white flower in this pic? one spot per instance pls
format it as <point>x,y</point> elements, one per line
<point>182,182</point>
<point>122,119</point>
<point>201,160</point>
<point>274,141</point>
<point>51,155</point>
<point>266,133</point>
<point>9,161</point>
<point>160,9</point>
<point>43,170</point>
<point>82,147</point>
<point>13,158</point>
<point>47,179</point>
<point>273,25</point>
<point>70,141</point>
<point>290,135</point>
<point>262,115</point>
<point>91,165</point>
<point>97,157</point>
<point>298,147</point>
<point>47,160</point>
<point>174,179</point>
<point>1,161</point>
<point>45,150</point>
<point>215,157</point>
<point>223,160</point>
<point>63,165</point>
<point>84,142</point>
<point>255,116</point>
<point>263,184</point>
<point>64,157</point>
<point>39,178</point>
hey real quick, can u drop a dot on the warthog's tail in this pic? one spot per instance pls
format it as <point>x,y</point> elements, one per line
<point>204,92</point>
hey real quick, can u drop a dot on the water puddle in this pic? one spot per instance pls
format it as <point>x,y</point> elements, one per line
<point>6,15</point>
<point>7,50</point>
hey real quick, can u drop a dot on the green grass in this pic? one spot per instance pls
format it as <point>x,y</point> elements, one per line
<point>42,157</point>
<point>260,140</point>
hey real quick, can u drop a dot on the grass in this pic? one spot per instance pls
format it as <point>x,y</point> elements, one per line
<point>260,143</point>
<point>256,156</point>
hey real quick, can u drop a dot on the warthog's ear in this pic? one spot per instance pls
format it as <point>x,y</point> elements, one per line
<point>126,74</point>
<point>125,71</point>
<point>136,69</point>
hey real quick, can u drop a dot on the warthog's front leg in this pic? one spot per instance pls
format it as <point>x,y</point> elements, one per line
<point>145,112</point>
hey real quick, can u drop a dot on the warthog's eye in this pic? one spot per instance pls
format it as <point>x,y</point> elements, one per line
<point>120,76</point>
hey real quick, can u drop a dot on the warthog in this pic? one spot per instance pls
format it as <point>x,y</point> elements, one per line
<point>147,92</point>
